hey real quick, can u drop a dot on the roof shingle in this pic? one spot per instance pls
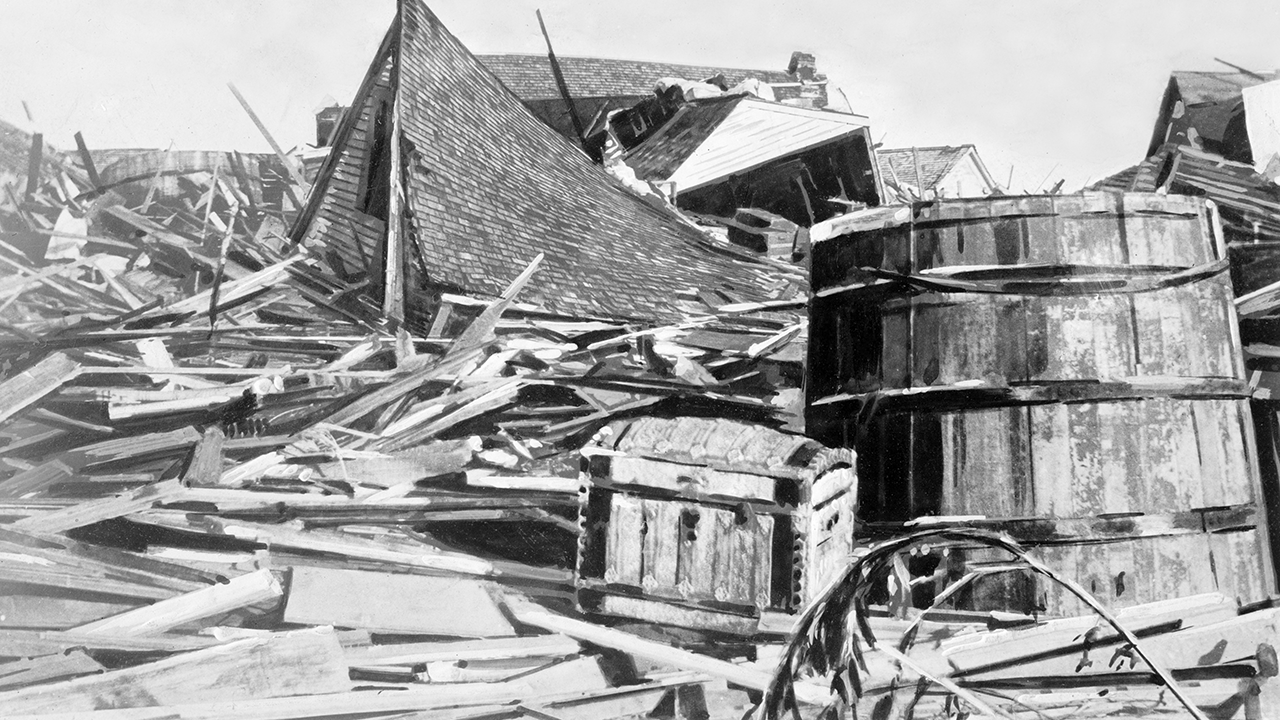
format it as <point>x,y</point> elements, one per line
<point>490,187</point>
<point>530,78</point>
<point>899,164</point>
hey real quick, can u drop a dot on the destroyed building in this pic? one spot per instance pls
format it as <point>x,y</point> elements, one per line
<point>495,431</point>
<point>919,173</point>
<point>598,86</point>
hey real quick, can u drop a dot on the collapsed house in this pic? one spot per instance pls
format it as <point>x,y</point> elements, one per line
<point>717,155</point>
<point>598,86</point>
<point>919,173</point>
<point>442,181</point>
<point>487,435</point>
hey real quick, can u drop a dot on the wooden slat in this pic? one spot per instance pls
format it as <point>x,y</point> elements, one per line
<point>248,589</point>
<point>294,663</point>
<point>382,602</point>
<point>19,392</point>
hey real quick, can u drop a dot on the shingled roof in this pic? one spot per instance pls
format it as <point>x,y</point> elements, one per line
<point>530,78</point>
<point>709,140</point>
<point>899,164</point>
<point>1249,203</point>
<point>489,187</point>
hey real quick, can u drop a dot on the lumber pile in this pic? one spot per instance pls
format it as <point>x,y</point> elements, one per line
<point>230,488</point>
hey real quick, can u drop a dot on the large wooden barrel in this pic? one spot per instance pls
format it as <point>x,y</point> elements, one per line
<point>1065,368</point>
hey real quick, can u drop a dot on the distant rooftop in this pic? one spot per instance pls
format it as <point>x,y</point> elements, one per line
<point>530,78</point>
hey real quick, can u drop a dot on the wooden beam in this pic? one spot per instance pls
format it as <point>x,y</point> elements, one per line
<point>284,159</point>
<point>34,160</point>
<point>395,251</point>
<point>393,603</point>
<point>562,85</point>
<point>529,614</point>
<point>279,665</point>
<point>92,511</point>
<point>87,159</point>
<point>245,590</point>
<point>19,392</point>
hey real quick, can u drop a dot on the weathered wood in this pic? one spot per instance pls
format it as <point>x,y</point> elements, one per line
<point>33,643</point>
<point>241,591</point>
<point>399,554</point>
<point>28,610</point>
<point>529,614</point>
<point>294,663</point>
<point>537,646</point>
<point>289,167</point>
<point>35,158</point>
<point>438,700</point>
<point>27,387</point>
<point>47,668</point>
<point>92,511</point>
<point>86,159</point>
<point>382,602</point>
<point>205,467</point>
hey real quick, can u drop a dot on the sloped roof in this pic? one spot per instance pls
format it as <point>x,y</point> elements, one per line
<point>708,140</point>
<point>1243,196</point>
<point>490,186</point>
<point>530,78</point>
<point>899,164</point>
<point>1198,87</point>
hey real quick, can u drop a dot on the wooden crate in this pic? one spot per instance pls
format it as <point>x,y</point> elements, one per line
<point>706,523</point>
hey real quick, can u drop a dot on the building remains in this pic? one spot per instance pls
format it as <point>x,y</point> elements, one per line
<point>563,387</point>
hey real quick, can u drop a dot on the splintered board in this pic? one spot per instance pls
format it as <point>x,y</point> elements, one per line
<point>277,665</point>
<point>390,603</point>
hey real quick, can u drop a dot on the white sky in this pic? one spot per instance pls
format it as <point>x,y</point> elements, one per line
<point>1054,89</point>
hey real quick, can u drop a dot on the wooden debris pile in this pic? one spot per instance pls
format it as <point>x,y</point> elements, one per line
<point>210,447</point>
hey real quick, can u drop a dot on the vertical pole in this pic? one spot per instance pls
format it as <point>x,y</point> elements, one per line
<point>560,83</point>
<point>393,257</point>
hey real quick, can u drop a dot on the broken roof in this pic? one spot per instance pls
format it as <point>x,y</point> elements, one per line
<point>489,187</point>
<point>530,78</point>
<point>899,164</point>
<point>1198,87</point>
<point>1248,201</point>
<point>709,140</point>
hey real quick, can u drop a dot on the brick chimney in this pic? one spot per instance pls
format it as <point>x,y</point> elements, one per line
<point>804,65</point>
<point>327,120</point>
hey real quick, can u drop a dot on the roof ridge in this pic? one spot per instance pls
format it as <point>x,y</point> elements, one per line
<point>561,56</point>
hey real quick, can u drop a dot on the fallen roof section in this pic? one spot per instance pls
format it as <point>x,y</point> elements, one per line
<point>487,186</point>
<point>709,140</point>
<point>530,77</point>
<point>899,165</point>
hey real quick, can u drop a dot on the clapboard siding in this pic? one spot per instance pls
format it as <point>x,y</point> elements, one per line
<point>338,225</point>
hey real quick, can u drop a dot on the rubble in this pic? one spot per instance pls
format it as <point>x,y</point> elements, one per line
<point>443,419</point>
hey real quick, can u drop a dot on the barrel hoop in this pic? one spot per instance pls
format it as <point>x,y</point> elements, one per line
<point>976,394</point>
<point>1083,281</point>
<point>1112,527</point>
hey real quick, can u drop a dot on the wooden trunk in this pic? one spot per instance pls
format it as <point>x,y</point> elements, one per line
<point>1067,369</point>
<point>706,523</point>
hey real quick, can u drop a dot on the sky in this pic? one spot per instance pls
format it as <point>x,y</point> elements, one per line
<point>1047,90</point>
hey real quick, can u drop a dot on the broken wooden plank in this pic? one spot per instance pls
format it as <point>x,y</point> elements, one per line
<point>205,467</point>
<point>27,387</point>
<point>383,602</point>
<point>527,613</point>
<point>86,158</point>
<point>33,643</point>
<point>89,512</point>
<point>289,167</point>
<point>242,591</point>
<point>284,664</point>
<point>536,646</point>
<point>47,668</point>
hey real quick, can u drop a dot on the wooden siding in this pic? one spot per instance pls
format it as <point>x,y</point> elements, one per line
<point>1115,434</point>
